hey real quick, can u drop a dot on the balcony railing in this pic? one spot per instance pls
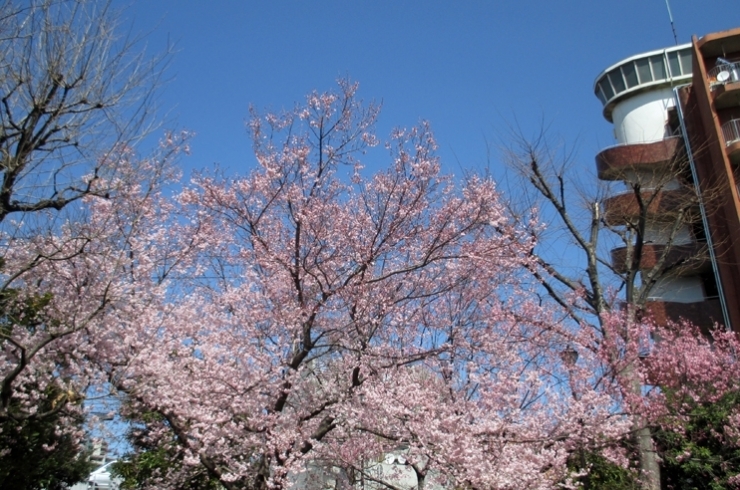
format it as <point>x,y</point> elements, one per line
<point>612,162</point>
<point>724,73</point>
<point>731,131</point>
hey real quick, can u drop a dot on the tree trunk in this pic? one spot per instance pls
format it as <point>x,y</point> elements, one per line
<point>649,465</point>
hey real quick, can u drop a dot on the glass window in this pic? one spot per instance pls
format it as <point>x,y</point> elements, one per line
<point>606,88</point>
<point>658,65</point>
<point>643,69</point>
<point>617,81</point>
<point>675,67</point>
<point>686,67</point>
<point>600,94</point>
<point>630,74</point>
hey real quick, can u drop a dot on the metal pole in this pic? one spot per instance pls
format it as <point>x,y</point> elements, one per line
<point>670,16</point>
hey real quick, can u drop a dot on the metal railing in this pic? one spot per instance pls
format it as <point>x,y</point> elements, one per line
<point>724,73</point>
<point>731,131</point>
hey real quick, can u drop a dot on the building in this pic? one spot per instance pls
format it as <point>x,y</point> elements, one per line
<point>676,117</point>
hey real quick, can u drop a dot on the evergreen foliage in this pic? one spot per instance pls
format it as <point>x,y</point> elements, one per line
<point>703,453</point>
<point>35,454</point>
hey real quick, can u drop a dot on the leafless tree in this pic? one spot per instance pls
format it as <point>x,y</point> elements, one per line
<point>73,90</point>
<point>628,249</point>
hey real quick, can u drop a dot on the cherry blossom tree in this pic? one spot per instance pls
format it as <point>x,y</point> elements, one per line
<point>324,319</point>
<point>68,289</point>
<point>74,200</point>
<point>605,293</point>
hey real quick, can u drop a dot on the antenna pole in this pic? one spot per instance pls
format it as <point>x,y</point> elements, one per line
<point>670,16</point>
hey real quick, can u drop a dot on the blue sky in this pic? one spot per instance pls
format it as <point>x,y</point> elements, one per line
<point>471,68</point>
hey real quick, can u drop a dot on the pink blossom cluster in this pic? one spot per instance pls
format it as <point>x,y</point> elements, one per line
<point>75,284</point>
<point>324,318</point>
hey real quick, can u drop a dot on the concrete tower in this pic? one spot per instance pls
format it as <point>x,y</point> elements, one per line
<point>676,117</point>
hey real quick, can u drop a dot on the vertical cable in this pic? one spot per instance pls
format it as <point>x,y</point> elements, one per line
<point>704,219</point>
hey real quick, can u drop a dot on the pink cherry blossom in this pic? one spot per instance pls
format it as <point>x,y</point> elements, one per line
<point>324,318</point>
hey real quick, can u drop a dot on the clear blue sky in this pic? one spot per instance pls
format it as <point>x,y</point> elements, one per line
<point>469,67</point>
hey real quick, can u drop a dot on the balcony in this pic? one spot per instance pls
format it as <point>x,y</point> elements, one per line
<point>659,205</point>
<point>731,135</point>
<point>613,162</point>
<point>724,80</point>
<point>703,314</point>
<point>680,260</point>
